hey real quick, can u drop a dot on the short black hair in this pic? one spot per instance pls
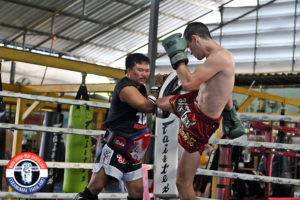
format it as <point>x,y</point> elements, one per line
<point>135,58</point>
<point>196,28</point>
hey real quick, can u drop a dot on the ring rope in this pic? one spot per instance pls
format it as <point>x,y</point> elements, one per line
<point>263,117</point>
<point>71,165</point>
<point>242,116</point>
<point>29,127</point>
<point>54,99</point>
<point>279,153</point>
<point>243,142</point>
<point>248,177</point>
<point>48,195</point>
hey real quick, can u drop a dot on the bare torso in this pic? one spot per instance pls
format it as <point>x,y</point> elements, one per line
<point>214,94</point>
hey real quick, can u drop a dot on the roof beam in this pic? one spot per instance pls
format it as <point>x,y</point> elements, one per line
<point>61,63</point>
<point>262,95</point>
<point>67,88</point>
<point>58,88</point>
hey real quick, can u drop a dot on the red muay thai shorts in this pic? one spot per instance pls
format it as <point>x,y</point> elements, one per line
<point>196,128</point>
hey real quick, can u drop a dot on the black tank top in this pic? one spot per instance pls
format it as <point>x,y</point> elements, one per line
<point>122,117</point>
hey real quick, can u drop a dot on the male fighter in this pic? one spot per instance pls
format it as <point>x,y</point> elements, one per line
<point>127,138</point>
<point>200,111</point>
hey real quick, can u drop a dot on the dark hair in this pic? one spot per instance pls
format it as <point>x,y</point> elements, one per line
<point>135,58</point>
<point>196,28</point>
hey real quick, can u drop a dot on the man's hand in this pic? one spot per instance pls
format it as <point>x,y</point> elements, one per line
<point>175,46</point>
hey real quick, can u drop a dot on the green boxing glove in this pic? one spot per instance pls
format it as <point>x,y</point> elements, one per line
<point>175,46</point>
<point>232,125</point>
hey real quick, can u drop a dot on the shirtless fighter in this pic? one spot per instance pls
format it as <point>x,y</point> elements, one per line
<point>200,111</point>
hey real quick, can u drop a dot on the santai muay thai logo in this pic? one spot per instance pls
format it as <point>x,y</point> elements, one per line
<point>26,173</point>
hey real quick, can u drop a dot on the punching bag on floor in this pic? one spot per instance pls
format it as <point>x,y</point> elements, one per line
<point>52,148</point>
<point>78,147</point>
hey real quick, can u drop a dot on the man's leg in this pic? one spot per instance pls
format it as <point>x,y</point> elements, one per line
<point>187,168</point>
<point>135,189</point>
<point>97,182</point>
<point>95,186</point>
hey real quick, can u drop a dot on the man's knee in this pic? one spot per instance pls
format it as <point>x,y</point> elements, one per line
<point>136,191</point>
<point>182,184</point>
<point>179,184</point>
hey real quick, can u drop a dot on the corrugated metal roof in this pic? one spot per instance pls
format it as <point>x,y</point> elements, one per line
<point>108,30</point>
<point>104,31</point>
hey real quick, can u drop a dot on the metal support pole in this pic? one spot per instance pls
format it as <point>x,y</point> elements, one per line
<point>294,36</point>
<point>12,72</point>
<point>24,42</point>
<point>255,38</point>
<point>152,48</point>
<point>221,23</point>
<point>152,54</point>
<point>83,8</point>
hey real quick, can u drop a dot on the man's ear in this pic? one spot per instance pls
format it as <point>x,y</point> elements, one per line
<point>195,37</point>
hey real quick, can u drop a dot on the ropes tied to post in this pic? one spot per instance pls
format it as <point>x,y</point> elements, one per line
<point>248,177</point>
<point>54,99</point>
<point>246,117</point>
<point>243,142</point>
<point>29,127</point>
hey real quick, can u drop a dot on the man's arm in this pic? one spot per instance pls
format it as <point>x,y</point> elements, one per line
<point>215,63</point>
<point>135,99</point>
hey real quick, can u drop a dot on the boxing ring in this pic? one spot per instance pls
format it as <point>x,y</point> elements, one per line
<point>166,148</point>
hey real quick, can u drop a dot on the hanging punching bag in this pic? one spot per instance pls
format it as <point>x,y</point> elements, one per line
<point>78,147</point>
<point>52,148</point>
<point>281,168</point>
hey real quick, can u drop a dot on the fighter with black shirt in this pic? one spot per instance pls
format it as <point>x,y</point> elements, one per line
<point>127,138</point>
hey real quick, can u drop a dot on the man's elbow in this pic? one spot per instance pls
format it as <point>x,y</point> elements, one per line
<point>146,108</point>
<point>187,86</point>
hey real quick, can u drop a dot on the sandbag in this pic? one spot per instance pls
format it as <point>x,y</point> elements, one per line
<point>281,168</point>
<point>78,149</point>
<point>52,149</point>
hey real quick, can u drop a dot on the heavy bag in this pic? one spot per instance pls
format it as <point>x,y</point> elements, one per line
<point>78,147</point>
<point>281,168</point>
<point>225,164</point>
<point>52,149</point>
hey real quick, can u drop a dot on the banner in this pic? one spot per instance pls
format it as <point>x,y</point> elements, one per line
<point>166,156</point>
